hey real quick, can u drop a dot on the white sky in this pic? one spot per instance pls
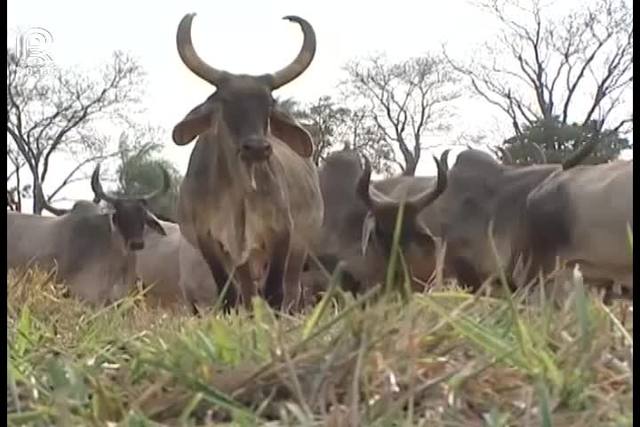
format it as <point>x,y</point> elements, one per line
<point>249,36</point>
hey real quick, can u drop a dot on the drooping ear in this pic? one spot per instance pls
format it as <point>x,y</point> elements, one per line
<point>196,122</point>
<point>152,222</point>
<point>286,129</point>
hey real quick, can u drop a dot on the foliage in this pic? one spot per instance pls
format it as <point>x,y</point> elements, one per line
<point>567,71</point>
<point>139,170</point>
<point>333,126</point>
<point>559,141</point>
<point>406,100</point>
<point>442,358</point>
<point>53,111</point>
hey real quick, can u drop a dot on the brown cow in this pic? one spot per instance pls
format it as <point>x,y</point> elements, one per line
<point>251,189</point>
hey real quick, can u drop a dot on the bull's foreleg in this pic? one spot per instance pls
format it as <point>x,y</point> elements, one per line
<point>207,246</point>
<point>247,286</point>
<point>466,273</point>
<point>273,287</point>
<point>292,288</point>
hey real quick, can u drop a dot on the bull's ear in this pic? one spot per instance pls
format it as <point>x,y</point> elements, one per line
<point>291,133</point>
<point>368,226</point>
<point>196,122</point>
<point>152,222</point>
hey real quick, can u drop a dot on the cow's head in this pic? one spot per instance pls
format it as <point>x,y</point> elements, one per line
<point>130,214</point>
<point>415,238</point>
<point>242,108</point>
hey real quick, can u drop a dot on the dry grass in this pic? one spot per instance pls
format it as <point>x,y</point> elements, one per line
<point>443,358</point>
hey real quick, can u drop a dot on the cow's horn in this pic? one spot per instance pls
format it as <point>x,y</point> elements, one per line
<point>166,184</point>
<point>506,156</point>
<point>582,153</point>
<point>541,158</point>
<point>362,187</point>
<point>46,205</point>
<point>189,56</point>
<point>96,186</point>
<point>444,158</point>
<point>430,195</point>
<point>371,197</point>
<point>304,58</point>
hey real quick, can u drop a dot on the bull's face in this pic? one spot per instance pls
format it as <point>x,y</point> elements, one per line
<point>242,108</point>
<point>131,215</point>
<point>129,218</point>
<point>245,114</point>
<point>415,239</point>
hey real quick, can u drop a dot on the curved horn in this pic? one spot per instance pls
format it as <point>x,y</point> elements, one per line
<point>444,158</point>
<point>371,197</point>
<point>430,195</point>
<point>362,186</point>
<point>585,151</point>
<point>304,58</point>
<point>189,56</point>
<point>55,211</point>
<point>541,158</point>
<point>506,156</point>
<point>96,186</point>
<point>166,184</point>
<point>47,206</point>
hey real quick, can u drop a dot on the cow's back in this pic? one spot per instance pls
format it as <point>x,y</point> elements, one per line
<point>31,238</point>
<point>86,251</point>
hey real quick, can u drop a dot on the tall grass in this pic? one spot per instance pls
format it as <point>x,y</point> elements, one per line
<point>383,359</point>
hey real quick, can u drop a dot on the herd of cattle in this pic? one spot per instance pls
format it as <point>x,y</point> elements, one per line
<point>253,208</point>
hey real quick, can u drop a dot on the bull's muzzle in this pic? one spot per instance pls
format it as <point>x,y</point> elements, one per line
<point>255,149</point>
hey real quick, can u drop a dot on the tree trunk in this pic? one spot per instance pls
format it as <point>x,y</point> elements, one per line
<point>37,202</point>
<point>410,168</point>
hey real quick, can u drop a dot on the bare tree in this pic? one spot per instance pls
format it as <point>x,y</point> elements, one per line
<point>14,174</point>
<point>52,111</point>
<point>405,99</point>
<point>576,69</point>
<point>333,126</point>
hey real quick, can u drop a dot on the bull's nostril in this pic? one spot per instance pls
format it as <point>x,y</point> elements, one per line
<point>136,246</point>
<point>256,151</point>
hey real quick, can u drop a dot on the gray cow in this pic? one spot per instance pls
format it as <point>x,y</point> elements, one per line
<point>250,196</point>
<point>581,216</point>
<point>480,191</point>
<point>94,250</point>
<point>176,270</point>
<point>360,219</point>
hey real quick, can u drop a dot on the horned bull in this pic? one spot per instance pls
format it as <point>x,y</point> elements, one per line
<point>94,251</point>
<point>251,189</point>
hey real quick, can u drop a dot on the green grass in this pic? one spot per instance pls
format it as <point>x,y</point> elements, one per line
<point>387,358</point>
<point>443,358</point>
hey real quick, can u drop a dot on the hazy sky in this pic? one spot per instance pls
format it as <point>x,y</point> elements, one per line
<point>249,36</point>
